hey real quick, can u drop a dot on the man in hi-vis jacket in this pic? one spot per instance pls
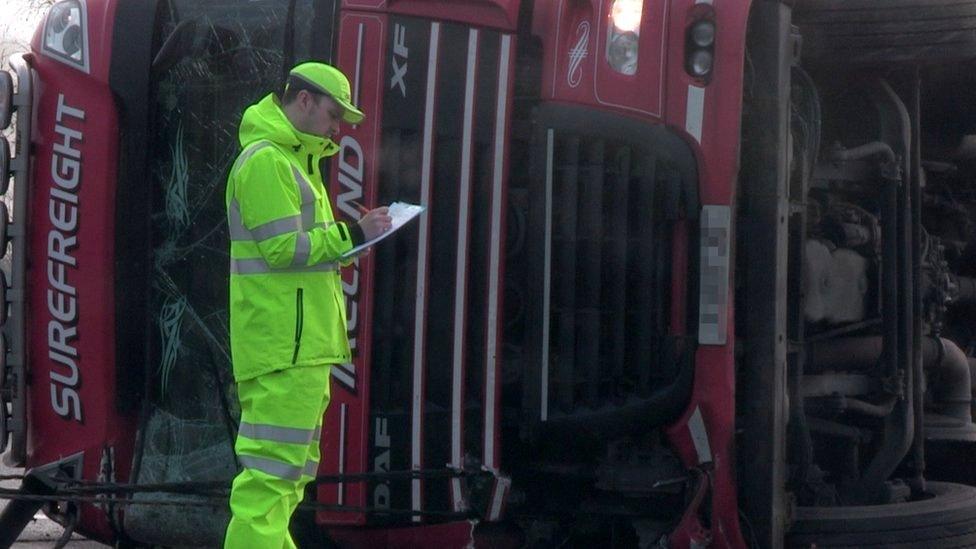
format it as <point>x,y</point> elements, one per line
<point>287,310</point>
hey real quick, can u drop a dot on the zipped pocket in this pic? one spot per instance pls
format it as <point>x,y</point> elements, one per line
<point>299,322</point>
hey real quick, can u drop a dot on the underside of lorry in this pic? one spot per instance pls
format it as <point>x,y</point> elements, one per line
<point>618,323</point>
<point>856,314</point>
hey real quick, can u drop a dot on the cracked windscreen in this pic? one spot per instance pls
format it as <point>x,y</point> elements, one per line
<point>212,60</point>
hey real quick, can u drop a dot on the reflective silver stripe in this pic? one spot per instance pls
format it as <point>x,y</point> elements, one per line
<point>272,467</point>
<point>318,434</point>
<point>277,227</point>
<point>248,153</point>
<point>308,199</point>
<point>238,231</point>
<point>311,468</point>
<point>260,266</point>
<point>308,216</point>
<point>274,433</point>
<point>303,247</point>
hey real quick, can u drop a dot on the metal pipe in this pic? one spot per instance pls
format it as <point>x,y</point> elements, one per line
<point>899,426</point>
<point>835,429</point>
<point>952,380</point>
<point>952,371</point>
<point>965,288</point>
<point>915,303</point>
<point>837,404</point>
<point>869,409</point>
<point>861,152</point>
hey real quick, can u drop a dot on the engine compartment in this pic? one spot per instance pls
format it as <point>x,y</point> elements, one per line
<point>881,336</point>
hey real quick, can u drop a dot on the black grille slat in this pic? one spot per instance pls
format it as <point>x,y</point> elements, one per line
<point>610,274</point>
<point>643,302</point>
<point>589,246</point>
<point>565,220</point>
<point>616,263</point>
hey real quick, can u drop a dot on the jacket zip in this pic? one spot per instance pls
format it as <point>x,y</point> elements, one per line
<point>310,172</point>
<point>299,322</point>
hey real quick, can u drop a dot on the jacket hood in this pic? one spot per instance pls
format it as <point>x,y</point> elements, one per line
<point>266,121</point>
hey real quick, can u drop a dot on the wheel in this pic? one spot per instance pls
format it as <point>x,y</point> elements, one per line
<point>945,520</point>
<point>886,31</point>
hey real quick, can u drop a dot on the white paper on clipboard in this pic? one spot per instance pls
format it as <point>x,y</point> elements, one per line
<point>402,213</point>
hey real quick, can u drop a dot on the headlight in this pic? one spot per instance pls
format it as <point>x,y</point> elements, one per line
<point>700,63</point>
<point>622,54</point>
<point>700,48</point>
<point>66,33</point>
<point>623,37</point>
<point>626,15</point>
<point>703,34</point>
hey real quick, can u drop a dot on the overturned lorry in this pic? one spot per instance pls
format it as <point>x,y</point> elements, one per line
<point>692,272</point>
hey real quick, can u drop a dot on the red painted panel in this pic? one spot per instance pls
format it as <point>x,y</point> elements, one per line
<point>714,388</point>
<point>354,178</point>
<point>643,91</point>
<point>568,69</point>
<point>451,534</point>
<point>719,147</point>
<point>70,300</point>
<point>575,67</point>
<point>499,14</point>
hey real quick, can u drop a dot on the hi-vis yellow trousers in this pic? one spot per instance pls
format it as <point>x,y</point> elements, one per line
<point>278,448</point>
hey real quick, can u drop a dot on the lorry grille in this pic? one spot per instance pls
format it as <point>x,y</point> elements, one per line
<point>608,268</point>
<point>601,353</point>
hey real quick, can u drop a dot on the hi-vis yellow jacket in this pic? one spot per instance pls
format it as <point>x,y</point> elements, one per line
<point>286,303</point>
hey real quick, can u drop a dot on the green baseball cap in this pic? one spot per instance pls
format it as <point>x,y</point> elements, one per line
<point>330,81</point>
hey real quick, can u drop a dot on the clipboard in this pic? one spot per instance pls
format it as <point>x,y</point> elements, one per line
<point>402,213</point>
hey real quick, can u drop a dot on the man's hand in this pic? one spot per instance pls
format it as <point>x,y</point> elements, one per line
<point>375,222</point>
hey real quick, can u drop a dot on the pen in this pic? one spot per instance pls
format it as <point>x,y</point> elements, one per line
<point>362,209</point>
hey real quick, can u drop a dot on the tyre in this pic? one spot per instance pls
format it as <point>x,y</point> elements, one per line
<point>947,519</point>
<point>866,32</point>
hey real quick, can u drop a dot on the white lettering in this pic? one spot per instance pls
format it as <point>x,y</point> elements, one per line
<point>381,494</point>
<point>65,171</point>
<point>63,216</point>
<point>400,52</point>
<point>72,366</point>
<point>62,241</point>
<point>351,170</point>
<point>59,245</point>
<point>61,405</point>
<point>58,336</point>
<point>63,109</point>
<point>352,166</point>
<point>64,308</point>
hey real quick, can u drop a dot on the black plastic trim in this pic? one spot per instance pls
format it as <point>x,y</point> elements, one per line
<point>129,79</point>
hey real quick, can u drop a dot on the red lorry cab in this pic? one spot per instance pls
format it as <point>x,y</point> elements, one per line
<point>691,272</point>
